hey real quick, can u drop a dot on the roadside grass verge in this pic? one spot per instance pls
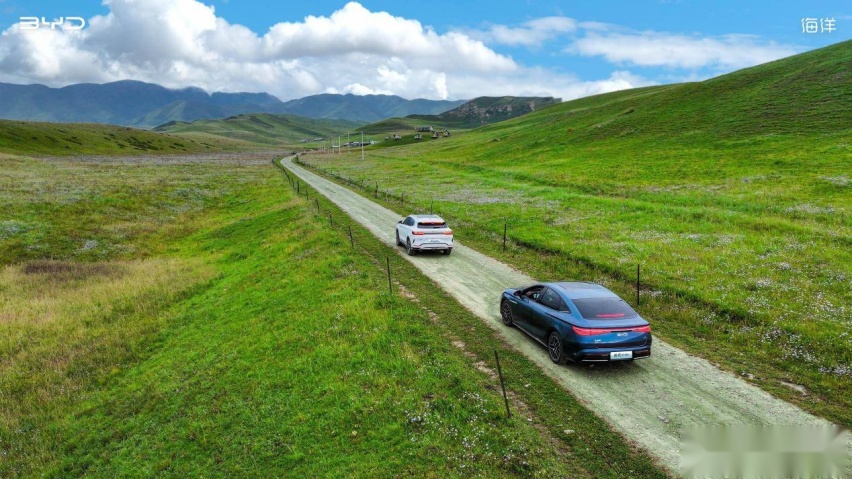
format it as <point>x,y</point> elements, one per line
<point>767,302</point>
<point>254,341</point>
<point>590,445</point>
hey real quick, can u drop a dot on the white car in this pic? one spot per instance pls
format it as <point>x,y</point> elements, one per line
<point>424,233</point>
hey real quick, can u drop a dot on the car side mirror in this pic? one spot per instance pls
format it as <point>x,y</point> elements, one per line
<point>399,222</point>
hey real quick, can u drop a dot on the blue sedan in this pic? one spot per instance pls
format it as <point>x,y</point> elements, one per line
<point>577,321</point>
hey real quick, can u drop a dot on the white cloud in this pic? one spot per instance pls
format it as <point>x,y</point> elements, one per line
<point>179,43</point>
<point>182,42</point>
<point>359,89</point>
<point>530,34</point>
<point>543,82</point>
<point>680,51</point>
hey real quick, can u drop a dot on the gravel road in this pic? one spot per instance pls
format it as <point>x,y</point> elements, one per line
<point>649,401</point>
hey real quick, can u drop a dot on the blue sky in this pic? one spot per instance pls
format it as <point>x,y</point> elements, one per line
<point>435,49</point>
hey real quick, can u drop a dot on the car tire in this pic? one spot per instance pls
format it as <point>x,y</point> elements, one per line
<point>409,249</point>
<point>399,241</point>
<point>506,314</point>
<point>555,349</point>
<point>448,251</point>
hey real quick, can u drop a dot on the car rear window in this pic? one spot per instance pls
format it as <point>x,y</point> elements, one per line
<point>432,224</point>
<point>604,308</point>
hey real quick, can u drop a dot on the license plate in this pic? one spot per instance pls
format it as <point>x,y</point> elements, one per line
<point>615,355</point>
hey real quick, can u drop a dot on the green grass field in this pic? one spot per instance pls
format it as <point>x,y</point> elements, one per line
<point>733,194</point>
<point>183,316</point>
<point>262,128</point>
<point>65,139</point>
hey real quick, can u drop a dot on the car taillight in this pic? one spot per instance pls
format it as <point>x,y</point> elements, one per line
<point>448,232</point>
<point>588,331</point>
<point>417,233</point>
<point>594,331</point>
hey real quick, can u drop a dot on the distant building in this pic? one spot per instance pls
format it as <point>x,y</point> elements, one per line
<point>418,136</point>
<point>424,128</point>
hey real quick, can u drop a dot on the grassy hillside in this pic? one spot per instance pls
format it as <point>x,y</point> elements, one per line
<point>263,129</point>
<point>34,138</point>
<point>191,317</point>
<point>180,111</point>
<point>471,114</point>
<point>732,193</point>
<point>487,110</point>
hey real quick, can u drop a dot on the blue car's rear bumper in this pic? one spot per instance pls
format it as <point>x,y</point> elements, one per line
<point>603,354</point>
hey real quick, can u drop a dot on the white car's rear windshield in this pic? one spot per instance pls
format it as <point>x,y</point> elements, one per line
<point>431,224</point>
<point>604,308</point>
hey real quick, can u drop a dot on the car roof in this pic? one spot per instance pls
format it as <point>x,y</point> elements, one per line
<point>427,217</point>
<point>582,289</point>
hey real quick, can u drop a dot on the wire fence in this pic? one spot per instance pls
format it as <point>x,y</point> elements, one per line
<point>347,232</point>
<point>633,277</point>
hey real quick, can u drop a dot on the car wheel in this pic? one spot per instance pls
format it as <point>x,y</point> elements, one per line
<point>554,348</point>
<point>409,249</point>
<point>506,313</point>
<point>448,251</point>
<point>398,241</point>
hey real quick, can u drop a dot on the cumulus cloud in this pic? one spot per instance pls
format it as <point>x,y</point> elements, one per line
<point>680,51</point>
<point>182,42</point>
<point>179,43</point>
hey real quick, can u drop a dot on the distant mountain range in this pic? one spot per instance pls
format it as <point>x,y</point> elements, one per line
<point>140,104</point>
<point>369,108</point>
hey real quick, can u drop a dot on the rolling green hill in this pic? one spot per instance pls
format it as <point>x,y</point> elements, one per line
<point>263,129</point>
<point>472,114</point>
<point>487,110</point>
<point>35,138</point>
<point>732,193</point>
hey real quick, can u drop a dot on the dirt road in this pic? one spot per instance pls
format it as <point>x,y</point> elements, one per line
<point>649,401</point>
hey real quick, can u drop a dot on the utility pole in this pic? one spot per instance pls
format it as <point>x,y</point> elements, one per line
<point>362,146</point>
<point>348,145</point>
